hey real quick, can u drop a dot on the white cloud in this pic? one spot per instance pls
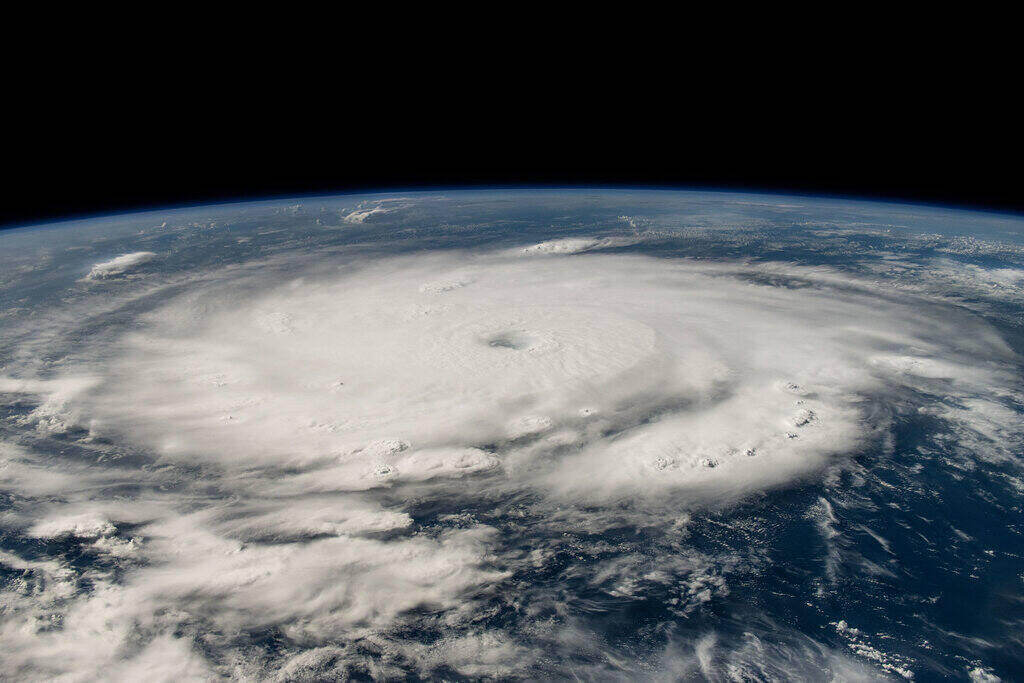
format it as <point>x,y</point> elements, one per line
<point>120,265</point>
<point>979,674</point>
<point>165,658</point>
<point>576,245</point>
<point>314,516</point>
<point>360,215</point>
<point>79,526</point>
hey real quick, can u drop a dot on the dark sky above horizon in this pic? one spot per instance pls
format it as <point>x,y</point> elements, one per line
<point>105,168</point>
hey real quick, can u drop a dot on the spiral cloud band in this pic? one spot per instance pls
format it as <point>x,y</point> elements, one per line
<point>593,376</point>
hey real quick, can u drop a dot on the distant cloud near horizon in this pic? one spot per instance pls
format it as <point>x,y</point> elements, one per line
<point>120,265</point>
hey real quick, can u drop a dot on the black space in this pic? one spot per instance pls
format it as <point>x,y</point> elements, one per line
<point>190,112</point>
<point>73,161</point>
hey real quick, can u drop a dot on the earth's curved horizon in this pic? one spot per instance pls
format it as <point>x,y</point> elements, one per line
<point>514,434</point>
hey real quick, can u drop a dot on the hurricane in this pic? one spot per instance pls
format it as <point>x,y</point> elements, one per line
<point>502,435</point>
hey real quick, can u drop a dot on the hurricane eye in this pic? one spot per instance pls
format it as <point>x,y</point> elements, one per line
<point>516,341</point>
